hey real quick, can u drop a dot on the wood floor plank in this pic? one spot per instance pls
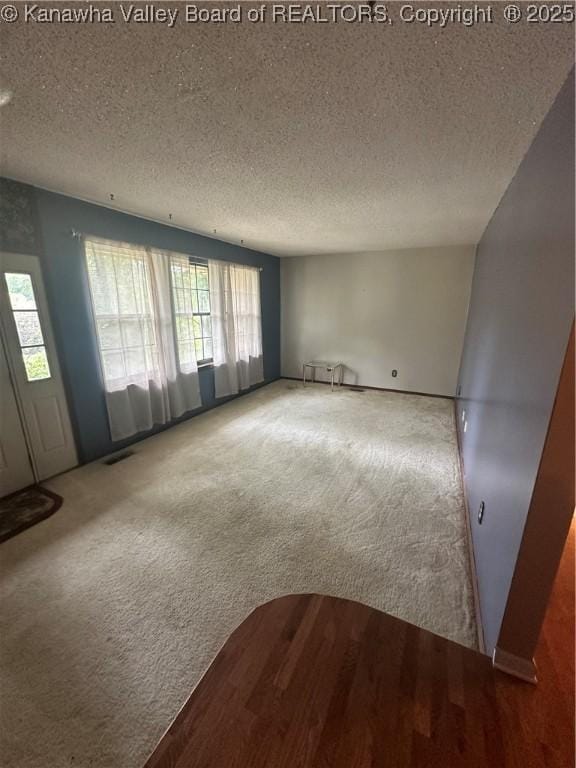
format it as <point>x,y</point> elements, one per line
<point>310,681</point>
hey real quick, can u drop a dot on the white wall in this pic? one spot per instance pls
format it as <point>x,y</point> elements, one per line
<point>378,311</point>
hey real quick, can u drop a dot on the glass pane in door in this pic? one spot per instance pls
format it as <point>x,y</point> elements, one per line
<point>27,321</point>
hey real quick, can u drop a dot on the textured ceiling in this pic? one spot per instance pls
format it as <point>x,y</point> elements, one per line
<point>296,138</point>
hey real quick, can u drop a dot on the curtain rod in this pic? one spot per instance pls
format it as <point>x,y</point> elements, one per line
<point>77,235</point>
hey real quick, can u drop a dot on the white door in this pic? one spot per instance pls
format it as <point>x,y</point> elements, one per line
<point>34,364</point>
<point>15,467</point>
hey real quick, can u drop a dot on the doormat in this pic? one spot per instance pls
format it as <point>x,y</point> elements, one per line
<point>25,508</point>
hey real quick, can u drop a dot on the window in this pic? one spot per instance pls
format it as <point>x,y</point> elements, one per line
<point>27,320</point>
<point>191,298</point>
<point>245,288</point>
<point>134,309</point>
<point>237,324</point>
<point>159,314</point>
<point>120,283</point>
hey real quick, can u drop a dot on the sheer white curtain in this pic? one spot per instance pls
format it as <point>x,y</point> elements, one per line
<point>236,326</point>
<point>131,298</point>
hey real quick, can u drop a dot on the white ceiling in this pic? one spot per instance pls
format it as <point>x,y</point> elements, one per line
<point>315,138</point>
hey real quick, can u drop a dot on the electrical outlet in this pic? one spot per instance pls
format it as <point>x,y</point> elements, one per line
<point>481,509</point>
<point>394,373</point>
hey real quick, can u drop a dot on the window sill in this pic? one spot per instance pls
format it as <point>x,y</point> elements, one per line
<point>205,365</point>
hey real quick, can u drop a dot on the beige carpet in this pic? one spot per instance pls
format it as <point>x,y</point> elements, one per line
<point>113,607</point>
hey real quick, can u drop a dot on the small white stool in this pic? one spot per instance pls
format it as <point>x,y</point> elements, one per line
<point>330,368</point>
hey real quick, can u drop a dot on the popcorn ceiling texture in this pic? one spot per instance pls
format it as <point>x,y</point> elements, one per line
<point>113,608</point>
<point>297,138</point>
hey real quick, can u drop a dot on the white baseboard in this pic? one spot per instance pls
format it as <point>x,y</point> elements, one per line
<point>525,669</point>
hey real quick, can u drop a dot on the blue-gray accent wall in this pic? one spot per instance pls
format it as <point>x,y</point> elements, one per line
<point>521,312</point>
<point>63,263</point>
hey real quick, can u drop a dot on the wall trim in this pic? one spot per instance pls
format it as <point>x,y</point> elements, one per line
<point>524,669</point>
<point>376,389</point>
<point>472,558</point>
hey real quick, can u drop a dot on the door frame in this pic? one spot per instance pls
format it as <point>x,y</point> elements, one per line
<point>17,393</point>
<point>12,398</point>
<point>32,266</point>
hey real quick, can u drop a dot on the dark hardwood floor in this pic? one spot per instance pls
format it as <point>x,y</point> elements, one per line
<point>319,682</point>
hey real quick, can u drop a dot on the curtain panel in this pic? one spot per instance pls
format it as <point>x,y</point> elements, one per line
<point>131,289</point>
<point>236,326</point>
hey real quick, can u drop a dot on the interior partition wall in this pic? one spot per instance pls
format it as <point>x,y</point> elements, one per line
<point>521,313</point>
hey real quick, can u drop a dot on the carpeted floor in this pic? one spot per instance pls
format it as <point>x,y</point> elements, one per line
<point>112,609</point>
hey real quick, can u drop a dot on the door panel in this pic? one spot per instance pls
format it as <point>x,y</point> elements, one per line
<point>15,468</point>
<point>48,422</point>
<point>32,354</point>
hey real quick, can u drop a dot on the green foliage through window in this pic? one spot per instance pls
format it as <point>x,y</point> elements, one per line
<point>28,328</point>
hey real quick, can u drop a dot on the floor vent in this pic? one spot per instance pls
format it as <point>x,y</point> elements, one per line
<point>118,457</point>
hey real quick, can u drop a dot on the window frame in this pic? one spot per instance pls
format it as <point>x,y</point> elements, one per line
<point>193,262</point>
